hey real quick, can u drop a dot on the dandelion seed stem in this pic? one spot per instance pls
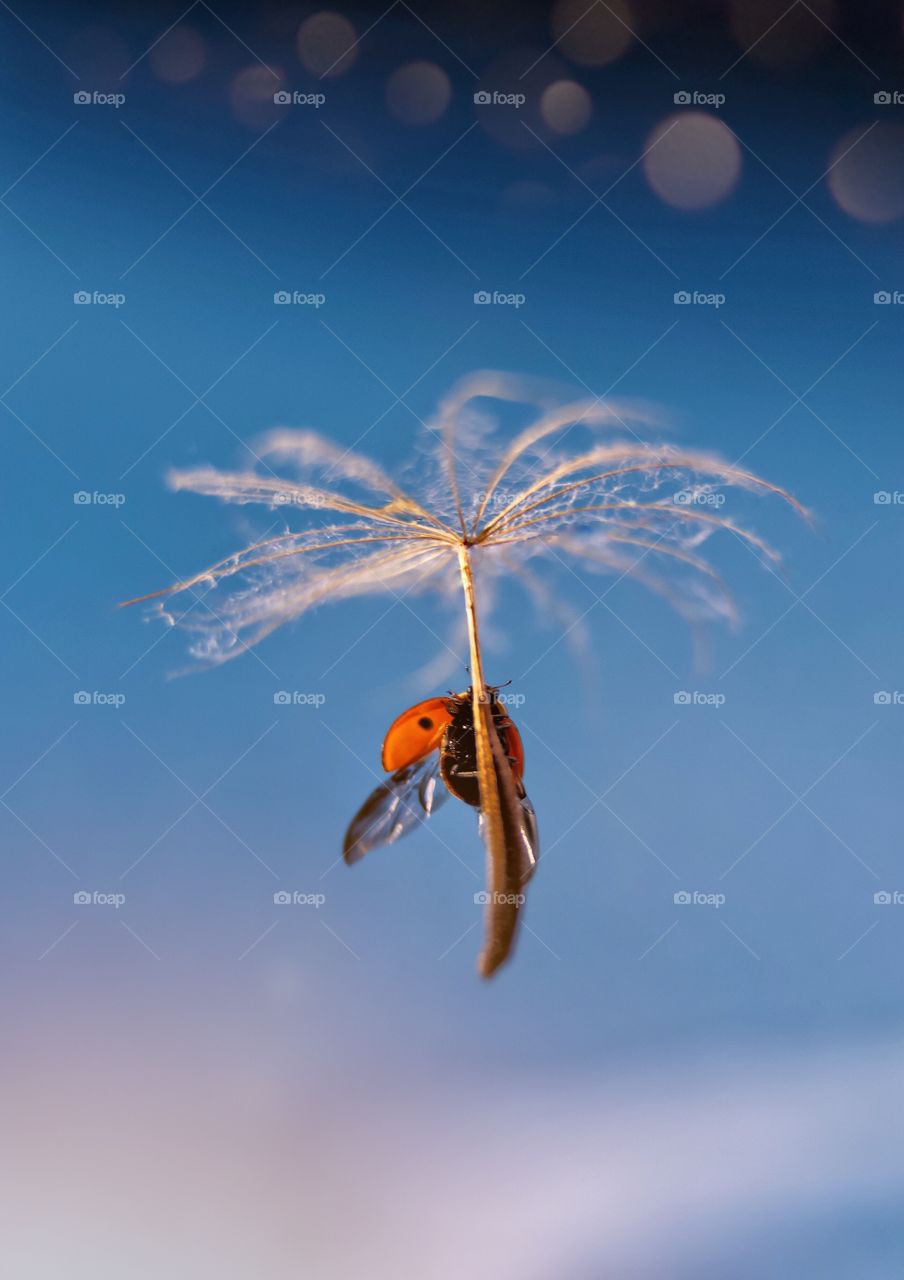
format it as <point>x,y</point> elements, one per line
<point>502,877</point>
<point>467,582</point>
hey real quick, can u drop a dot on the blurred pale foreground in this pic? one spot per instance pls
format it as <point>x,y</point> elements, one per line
<point>162,1162</point>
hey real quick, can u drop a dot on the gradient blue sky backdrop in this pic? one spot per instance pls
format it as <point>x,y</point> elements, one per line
<point>203,1083</point>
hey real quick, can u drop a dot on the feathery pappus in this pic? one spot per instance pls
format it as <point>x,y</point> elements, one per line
<point>576,483</point>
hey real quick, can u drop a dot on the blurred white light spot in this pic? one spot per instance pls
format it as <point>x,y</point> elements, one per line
<point>566,107</point>
<point>251,95</point>
<point>507,97</point>
<point>179,56</point>
<point>592,33</point>
<point>692,160</point>
<point>327,44</point>
<point>867,174</point>
<point>418,93</point>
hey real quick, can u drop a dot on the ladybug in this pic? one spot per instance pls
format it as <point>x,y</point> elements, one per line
<point>430,751</point>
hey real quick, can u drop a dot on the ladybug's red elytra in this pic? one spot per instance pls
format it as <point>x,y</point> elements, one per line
<point>430,750</point>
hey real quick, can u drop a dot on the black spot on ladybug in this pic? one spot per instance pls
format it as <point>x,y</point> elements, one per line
<point>425,722</point>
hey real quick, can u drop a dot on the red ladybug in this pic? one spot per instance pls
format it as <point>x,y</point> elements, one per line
<point>433,742</point>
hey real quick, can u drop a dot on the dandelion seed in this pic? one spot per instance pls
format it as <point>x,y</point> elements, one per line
<point>620,504</point>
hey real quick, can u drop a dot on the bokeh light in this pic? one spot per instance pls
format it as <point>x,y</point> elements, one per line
<point>776,34</point>
<point>251,96</point>
<point>867,174</point>
<point>327,44</point>
<point>179,56</point>
<point>509,94</point>
<point>418,93</point>
<point>592,34</point>
<point>566,106</point>
<point>692,160</point>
